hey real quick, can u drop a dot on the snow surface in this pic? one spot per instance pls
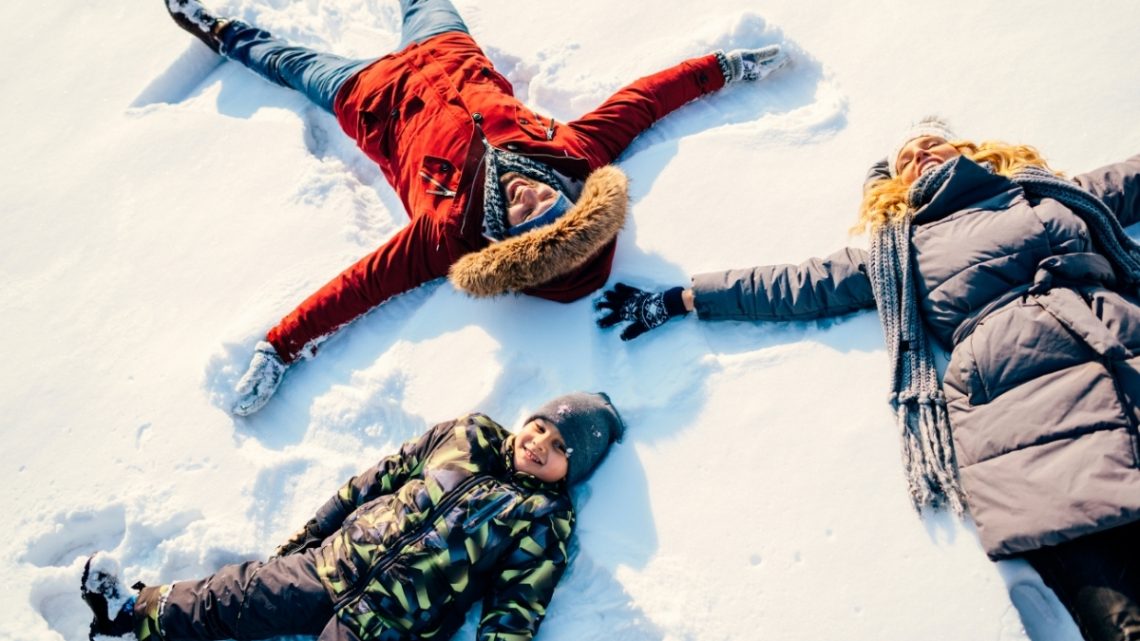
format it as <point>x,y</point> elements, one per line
<point>162,210</point>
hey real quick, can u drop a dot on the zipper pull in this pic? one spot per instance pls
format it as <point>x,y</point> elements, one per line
<point>442,191</point>
<point>550,131</point>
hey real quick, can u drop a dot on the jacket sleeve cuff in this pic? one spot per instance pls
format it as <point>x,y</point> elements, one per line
<point>711,299</point>
<point>724,64</point>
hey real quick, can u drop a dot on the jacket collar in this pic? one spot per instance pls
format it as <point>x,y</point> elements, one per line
<point>965,185</point>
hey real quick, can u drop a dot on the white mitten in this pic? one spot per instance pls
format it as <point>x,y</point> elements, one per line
<point>260,381</point>
<point>753,64</point>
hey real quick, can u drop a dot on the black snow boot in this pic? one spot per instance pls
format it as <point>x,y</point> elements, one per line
<point>109,602</point>
<point>195,18</point>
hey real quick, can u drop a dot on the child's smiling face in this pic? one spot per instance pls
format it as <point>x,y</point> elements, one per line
<point>541,452</point>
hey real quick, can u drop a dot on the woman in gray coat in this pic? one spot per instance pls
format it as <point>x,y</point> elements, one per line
<point>1030,283</point>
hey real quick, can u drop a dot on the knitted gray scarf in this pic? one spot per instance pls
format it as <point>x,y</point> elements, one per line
<point>916,395</point>
<point>1107,233</point>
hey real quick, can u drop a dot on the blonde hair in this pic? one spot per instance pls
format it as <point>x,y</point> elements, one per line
<point>885,201</point>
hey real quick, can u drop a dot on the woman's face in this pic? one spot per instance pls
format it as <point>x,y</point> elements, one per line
<point>920,155</point>
<point>541,452</point>
<point>526,198</point>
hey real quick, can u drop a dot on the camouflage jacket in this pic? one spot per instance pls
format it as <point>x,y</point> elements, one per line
<point>418,538</point>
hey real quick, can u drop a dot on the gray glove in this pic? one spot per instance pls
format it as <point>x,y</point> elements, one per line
<point>751,64</point>
<point>260,381</point>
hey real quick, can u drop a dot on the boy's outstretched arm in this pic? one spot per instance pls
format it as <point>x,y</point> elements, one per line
<point>383,478</point>
<point>527,577</point>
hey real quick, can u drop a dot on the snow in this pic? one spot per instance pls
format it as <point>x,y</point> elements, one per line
<point>162,210</point>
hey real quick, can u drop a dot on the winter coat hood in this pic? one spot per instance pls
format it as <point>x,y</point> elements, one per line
<point>542,254</point>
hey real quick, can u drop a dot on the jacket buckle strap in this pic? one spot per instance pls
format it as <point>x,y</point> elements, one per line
<point>1075,315</point>
<point>1079,267</point>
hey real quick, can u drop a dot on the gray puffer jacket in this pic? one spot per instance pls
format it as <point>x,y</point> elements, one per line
<point>1043,385</point>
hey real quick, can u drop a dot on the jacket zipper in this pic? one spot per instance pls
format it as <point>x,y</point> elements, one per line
<point>471,189</point>
<point>482,160</point>
<point>449,500</point>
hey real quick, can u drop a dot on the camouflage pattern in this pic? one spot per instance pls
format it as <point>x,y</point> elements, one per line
<point>416,539</point>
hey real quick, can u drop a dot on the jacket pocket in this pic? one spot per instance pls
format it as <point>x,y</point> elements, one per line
<point>975,381</point>
<point>439,177</point>
<point>482,77</point>
<point>534,125</point>
<point>493,508</point>
<point>386,123</point>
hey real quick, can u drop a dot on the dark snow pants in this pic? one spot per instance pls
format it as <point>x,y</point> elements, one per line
<point>1097,578</point>
<point>252,600</point>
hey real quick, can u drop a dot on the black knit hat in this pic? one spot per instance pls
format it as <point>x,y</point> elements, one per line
<point>589,423</point>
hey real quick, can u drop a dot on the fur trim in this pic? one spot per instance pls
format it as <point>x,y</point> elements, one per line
<point>545,253</point>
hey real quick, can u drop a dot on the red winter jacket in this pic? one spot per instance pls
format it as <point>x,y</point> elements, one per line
<point>423,114</point>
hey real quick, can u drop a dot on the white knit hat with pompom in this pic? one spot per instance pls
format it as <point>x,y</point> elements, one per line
<point>928,126</point>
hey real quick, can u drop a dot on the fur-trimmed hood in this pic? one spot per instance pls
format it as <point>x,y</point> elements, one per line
<point>542,254</point>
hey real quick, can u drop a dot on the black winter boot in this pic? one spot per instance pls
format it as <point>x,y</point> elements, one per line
<point>109,602</point>
<point>195,18</point>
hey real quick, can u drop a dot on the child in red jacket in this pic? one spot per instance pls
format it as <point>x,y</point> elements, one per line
<point>500,198</point>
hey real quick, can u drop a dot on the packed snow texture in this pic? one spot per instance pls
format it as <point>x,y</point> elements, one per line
<point>162,210</point>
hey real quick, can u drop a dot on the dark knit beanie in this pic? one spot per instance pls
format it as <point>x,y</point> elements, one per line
<point>588,423</point>
<point>498,164</point>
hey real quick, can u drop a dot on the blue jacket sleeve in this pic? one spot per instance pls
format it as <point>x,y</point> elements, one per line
<point>818,288</point>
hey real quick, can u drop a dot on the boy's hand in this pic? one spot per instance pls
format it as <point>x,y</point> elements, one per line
<point>644,310</point>
<point>309,536</point>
